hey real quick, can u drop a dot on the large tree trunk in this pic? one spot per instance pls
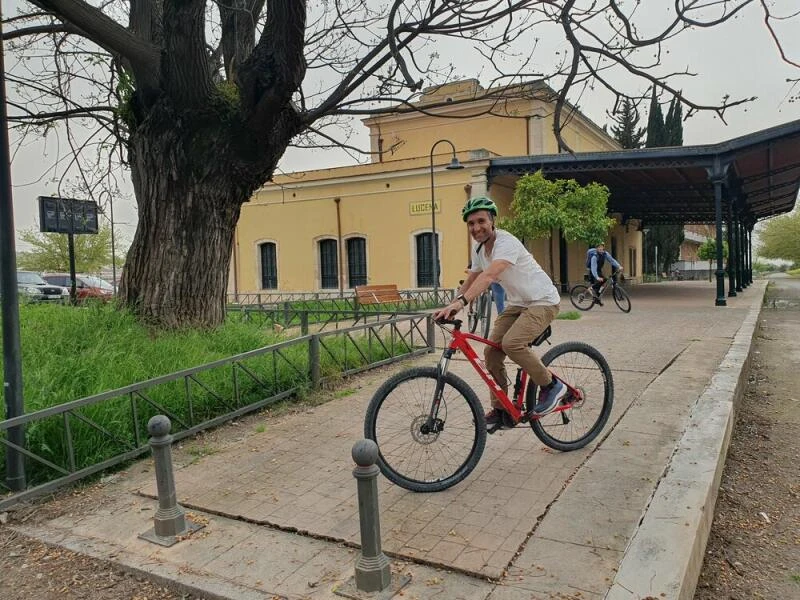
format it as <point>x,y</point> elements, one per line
<point>190,183</point>
<point>177,267</point>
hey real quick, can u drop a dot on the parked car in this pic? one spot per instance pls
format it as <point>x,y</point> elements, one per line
<point>31,287</point>
<point>87,287</point>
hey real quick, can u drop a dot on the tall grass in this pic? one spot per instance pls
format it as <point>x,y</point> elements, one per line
<point>69,353</point>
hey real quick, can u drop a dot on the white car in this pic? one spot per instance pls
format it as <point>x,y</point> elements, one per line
<point>32,288</point>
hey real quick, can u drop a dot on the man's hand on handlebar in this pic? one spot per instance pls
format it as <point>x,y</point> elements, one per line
<point>449,311</point>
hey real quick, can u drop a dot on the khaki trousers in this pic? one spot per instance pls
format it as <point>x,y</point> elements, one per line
<point>514,329</point>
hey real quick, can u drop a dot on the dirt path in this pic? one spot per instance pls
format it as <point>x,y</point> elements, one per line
<point>31,570</point>
<point>754,548</point>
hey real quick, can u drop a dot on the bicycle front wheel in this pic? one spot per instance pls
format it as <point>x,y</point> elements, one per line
<point>585,369</point>
<point>412,456</point>
<point>622,299</point>
<point>581,297</point>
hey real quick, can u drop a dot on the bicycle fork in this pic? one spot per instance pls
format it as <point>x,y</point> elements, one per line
<point>433,424</point>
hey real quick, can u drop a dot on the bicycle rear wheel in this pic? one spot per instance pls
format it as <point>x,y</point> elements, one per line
<point>480,314</point>
<point>581,297</point>
<point>473,314</point>
<point>486,314</point>
<point>622,299</point>
<point>585,369</point>
<point>425,461</point>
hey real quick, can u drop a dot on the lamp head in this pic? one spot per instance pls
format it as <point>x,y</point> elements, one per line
<point>454,164</point>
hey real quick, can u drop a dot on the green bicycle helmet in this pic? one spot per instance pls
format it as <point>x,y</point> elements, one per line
<point>478,203</point>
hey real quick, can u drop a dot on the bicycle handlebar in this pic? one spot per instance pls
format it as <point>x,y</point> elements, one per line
<point>456,322</point>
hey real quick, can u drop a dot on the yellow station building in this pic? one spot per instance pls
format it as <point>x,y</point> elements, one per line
<point>333,229</point>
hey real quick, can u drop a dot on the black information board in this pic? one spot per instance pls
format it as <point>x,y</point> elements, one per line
<point>67,215</point>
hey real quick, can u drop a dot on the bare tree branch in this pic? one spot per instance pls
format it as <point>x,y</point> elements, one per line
<point>107,33</point>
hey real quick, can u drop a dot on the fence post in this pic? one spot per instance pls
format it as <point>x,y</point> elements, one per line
<point>313,361</point>
<point>169,521</point>
<point>304,323</point>
<point>431,334</point>
<point>286,307</point>
<point>373,573</point>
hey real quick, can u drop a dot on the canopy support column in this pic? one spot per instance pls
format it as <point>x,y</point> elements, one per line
<point>718,174</point>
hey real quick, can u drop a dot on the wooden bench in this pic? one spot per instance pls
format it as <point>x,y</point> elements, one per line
<point>377,294</point>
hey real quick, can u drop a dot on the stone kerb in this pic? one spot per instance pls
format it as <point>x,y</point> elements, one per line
<point>665,555</point>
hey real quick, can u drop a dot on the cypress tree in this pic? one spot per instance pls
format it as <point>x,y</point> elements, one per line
<point>673,124</point>
<point>675,127</point>
<point>668,238</point>
<point>656,133</point>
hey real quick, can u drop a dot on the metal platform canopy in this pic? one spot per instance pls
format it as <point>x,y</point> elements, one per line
<point>738,182</point>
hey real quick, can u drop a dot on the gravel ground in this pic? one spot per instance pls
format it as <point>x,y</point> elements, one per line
<point>30,570</point>
<point>754,548</point>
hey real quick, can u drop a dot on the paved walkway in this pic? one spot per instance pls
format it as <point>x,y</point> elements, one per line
<point>527,523</point>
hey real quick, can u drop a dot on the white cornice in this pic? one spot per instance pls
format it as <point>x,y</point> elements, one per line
<point>346,179</point>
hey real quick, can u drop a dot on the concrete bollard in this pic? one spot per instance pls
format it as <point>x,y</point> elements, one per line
<point>372,567</point>
<point>169,522</point>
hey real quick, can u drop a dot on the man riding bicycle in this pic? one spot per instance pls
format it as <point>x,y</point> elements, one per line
<point>531,304</point>
<point>595,260</point>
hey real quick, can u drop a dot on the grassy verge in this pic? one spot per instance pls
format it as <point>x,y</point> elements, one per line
<point>570,315</point>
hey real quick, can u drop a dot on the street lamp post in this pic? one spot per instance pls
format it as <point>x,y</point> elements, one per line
<point>12,354</point>
<point>454,164</point>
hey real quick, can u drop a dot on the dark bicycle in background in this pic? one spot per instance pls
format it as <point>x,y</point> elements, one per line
<point>479,312</point>
<point>582,297</point>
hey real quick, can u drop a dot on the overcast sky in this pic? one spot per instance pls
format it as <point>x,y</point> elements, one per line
<point>738,59</point>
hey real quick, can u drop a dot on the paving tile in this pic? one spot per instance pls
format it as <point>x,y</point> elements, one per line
<point>446,551</point>
<point>547,566</point>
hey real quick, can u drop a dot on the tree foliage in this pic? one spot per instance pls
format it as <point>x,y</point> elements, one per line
<point>668,240</point>
<point>51,252</point>
<point>541,206</point>
<point>708,250</point>
<point>626,129</point>
<point>780,238</point>
<point>201,99</point>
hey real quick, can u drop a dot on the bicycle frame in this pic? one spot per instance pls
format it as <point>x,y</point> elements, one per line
<point>611,280</point>
<point>459,341</point>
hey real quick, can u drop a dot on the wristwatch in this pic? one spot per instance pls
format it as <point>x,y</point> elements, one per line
<point>463,299</point>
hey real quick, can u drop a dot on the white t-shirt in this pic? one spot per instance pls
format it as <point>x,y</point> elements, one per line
<point>524,281</point>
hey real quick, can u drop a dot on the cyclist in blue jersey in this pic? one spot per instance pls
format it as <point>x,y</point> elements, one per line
<point>596,258</point>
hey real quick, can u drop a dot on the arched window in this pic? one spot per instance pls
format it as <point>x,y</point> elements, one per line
<point>328,264</point>
<point>356,261</point>
<point>269,266</point>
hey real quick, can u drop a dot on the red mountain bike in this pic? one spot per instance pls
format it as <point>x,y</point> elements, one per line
<point>429,424</point>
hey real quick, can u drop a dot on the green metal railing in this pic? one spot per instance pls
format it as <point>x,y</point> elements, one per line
<point>345,301</point>
<point>112,425</point>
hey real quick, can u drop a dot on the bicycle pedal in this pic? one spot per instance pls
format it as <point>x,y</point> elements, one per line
<point>490,429</point>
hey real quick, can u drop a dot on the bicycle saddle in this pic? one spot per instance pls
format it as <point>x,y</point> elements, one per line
<point>542,337</point>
